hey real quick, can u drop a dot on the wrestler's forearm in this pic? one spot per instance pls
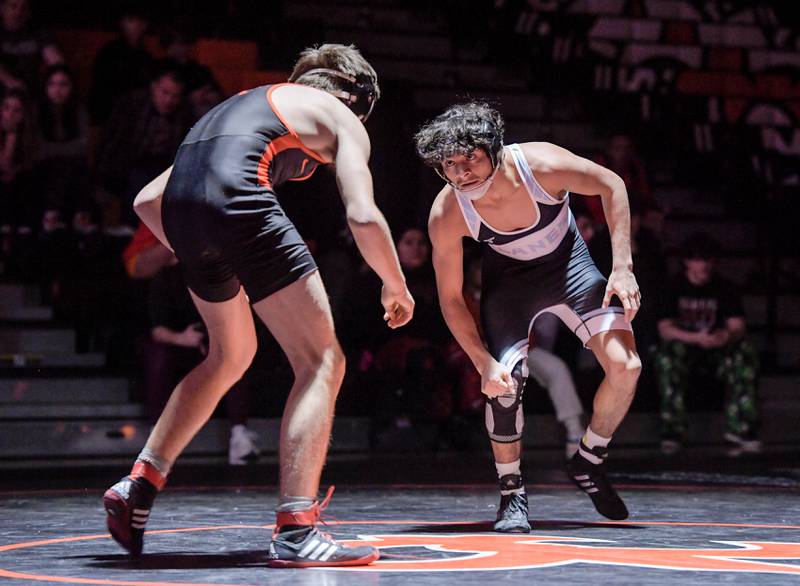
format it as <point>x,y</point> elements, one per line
<point>462,326</point>
<point>147,206</point>
<point>374,241</point>
<point>150,214</point>
<point>618,217</point>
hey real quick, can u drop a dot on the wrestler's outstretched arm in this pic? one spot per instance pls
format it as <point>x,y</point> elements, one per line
<point>561,170</point>
<point>446,229</point>
<point>147,205</point>
<point>367,223</point>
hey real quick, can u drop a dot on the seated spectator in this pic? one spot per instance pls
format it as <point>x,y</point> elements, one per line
<point>141,138</point>
<point>621,157</point>
<point>408,362</point>
<point>144,256</point>
<point>23,48</point>
<point>177,343</point>
<point>83,275</point>
<point>203,92</point>
<point>122,65</point>
<point>63,142</point>
<point>407,365</point>
<point>703,329</point>
<point>20,204</point>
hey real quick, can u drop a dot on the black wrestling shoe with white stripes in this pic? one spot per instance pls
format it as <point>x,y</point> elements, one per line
<point>308,547</point>
<point>591,479</point>
<point>127,506</point>
<point>512,515</point>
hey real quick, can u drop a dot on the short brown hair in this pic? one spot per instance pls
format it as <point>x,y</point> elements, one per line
<point>344,58</point>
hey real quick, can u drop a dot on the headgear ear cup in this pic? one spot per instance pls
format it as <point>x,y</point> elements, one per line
<point>490,131</point>
<point>364,91</point>
<point>359,94</point>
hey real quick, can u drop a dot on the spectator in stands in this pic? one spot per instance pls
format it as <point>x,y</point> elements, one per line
<point>621,157</point>
<point>409,372</point>
<point>122,65</point>
<point>23,48</point>
<point>20,205</point>
<point>203,92</point>
<point>86,279</point>
<point>144,256</point>
<point>141,138</point>
<point>63,143</point>
<point>703,329</point>
<point>177,343</point>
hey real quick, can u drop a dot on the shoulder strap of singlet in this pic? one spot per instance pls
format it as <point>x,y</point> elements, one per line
<point>289,128</point>
<point>471,216</point>
<point>524,169</point>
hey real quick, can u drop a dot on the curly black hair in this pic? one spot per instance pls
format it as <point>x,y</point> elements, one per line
<point>459,130</point>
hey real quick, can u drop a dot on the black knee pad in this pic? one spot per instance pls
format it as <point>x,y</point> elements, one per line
<point>504,418</point>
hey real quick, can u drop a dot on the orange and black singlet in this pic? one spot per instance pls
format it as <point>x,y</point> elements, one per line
<point>219,210</point>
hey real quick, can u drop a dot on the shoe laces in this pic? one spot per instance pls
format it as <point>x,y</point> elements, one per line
<point>316,510</point>
<point>324,505</point>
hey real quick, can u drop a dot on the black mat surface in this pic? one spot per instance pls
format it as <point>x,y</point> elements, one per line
<point>677,534</point>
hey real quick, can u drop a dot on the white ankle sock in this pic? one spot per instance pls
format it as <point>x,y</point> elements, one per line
<point>509,468</point>
<point>291,504</point>
<point>161,464</point>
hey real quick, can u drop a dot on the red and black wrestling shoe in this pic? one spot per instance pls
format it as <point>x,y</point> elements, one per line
<point>298,543</point>
<point>128,505</point>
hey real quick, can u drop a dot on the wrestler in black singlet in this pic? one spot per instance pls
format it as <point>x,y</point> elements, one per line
<point>219,209</point>
<point>543,268</point>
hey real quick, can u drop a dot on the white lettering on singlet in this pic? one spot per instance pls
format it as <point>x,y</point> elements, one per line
<point>539,243</point>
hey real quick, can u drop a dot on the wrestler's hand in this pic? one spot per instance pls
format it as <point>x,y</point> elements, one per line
<point>399,306</point>
<point>622,283</point>
<point>496,380</point>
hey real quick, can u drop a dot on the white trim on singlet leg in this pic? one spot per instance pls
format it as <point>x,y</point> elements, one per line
<point>517,352</point>
<point>606,322</point>
<point>534,187</point>
<point>590,324</point>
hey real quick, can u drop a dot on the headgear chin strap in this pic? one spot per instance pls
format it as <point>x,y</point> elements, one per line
<point>478,191</point>
<point>359,97</point>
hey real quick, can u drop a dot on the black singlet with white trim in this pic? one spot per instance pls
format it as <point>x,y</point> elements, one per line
<point>544,267</point>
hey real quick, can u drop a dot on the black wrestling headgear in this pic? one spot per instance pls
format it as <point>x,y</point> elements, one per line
<point>359,95</point>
